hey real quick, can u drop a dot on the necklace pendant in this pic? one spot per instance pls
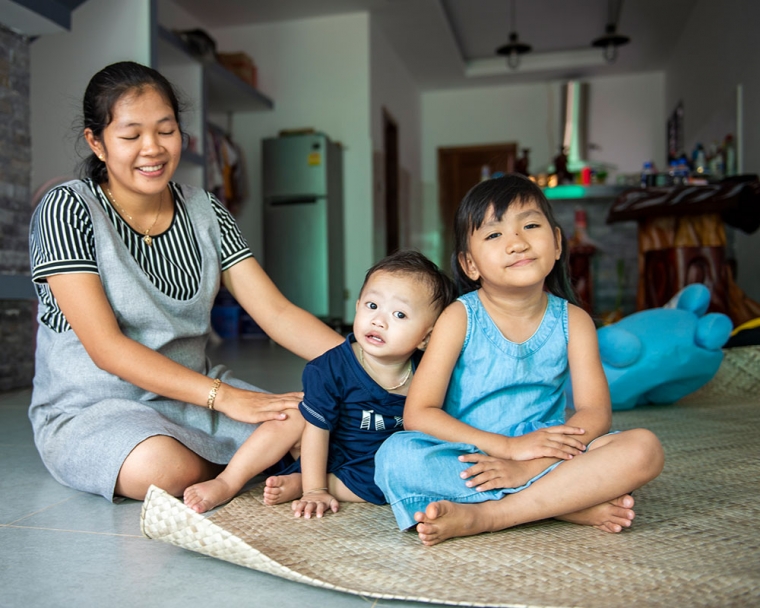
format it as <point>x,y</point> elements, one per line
<point>148,240</point>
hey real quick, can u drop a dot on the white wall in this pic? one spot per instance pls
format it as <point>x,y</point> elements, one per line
<point>102,32</point>
<point>317,73</point>
<point>718,51</point>
<point>626,120</point>
<point>393,90</point>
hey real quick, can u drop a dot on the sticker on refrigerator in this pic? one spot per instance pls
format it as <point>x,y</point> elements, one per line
<point>315,159</point>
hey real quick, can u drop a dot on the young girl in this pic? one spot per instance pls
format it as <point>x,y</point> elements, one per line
<point>486,445</point>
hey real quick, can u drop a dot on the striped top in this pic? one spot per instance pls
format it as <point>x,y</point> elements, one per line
<point>62,241</point>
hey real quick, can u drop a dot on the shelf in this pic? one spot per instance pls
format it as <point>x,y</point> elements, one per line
<point>228,93</point>
<point>172,50</point>
<point>193,158</point>
<point>225,91</point>
<point>577,192</point>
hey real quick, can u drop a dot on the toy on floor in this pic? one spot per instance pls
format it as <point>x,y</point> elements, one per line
<point>662,354</point>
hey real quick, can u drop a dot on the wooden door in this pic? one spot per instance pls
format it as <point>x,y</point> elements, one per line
<point>459,169</point>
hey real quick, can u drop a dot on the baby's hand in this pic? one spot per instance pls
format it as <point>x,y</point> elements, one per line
<point>551,442</point>
<point>489,473</point>
<point>315,503</point>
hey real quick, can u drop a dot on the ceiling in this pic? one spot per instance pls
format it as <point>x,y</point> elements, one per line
<point>452,43</point>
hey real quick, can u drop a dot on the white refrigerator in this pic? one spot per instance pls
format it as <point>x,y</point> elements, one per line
<point>303,221</point>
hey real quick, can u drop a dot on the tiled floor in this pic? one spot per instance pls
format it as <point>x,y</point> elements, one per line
<point>60,547</point>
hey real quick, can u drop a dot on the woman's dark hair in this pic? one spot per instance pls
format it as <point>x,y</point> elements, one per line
<point>499,193</point>
<point>410,262</point>
<point>104,90</point>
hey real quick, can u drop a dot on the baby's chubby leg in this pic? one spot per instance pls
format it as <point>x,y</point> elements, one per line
<point>265,447</point>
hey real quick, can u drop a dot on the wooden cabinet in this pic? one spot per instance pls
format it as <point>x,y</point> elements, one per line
<point>206,88</point>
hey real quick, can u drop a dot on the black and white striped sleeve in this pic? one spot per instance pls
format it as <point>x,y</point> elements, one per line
<point>61,236</point>
<point>234,246</point>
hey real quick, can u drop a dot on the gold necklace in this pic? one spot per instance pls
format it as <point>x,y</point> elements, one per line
<point>147,239</point>
<point>387,388</point>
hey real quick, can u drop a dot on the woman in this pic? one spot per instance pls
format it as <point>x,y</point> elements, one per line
<point>126,265</point>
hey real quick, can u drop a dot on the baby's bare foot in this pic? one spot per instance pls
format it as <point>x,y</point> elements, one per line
<point>204,496</point>
<point>610,516</point>
<point>282,488</point>
<point>443,520</point>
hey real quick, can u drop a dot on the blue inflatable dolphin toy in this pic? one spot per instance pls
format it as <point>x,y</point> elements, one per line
<point>662,354</point>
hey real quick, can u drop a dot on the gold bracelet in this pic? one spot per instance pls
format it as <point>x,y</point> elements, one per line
<point>314,491</point>
<point>212,394</point>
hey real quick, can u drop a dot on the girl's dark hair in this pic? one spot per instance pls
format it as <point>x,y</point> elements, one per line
<point>104,90</point>
<point>500,193</point>
<point>408,261</point>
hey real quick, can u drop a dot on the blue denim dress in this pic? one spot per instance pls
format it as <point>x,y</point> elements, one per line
<point>496,385</point>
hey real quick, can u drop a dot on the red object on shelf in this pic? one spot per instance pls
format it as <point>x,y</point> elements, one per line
<point>586,176</point>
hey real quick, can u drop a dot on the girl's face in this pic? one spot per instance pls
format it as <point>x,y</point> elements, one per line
<point>394,316</point>
<point>519,250</point>
<point>141,146</point>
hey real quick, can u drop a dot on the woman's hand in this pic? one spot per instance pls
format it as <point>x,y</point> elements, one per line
<point>489,472</point>
<point>253,407</point>
<point>315,503</point>
<point>550,442</point>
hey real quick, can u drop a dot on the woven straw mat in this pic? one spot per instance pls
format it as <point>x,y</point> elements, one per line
<point>695,540</point>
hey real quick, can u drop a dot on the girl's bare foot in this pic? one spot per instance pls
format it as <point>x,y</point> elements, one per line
<point>282,488</point>
<point>204,496</point>
<point>610,516</point>
<point>443,520</point>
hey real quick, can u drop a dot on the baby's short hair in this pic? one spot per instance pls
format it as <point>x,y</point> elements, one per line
<point>411,262</point>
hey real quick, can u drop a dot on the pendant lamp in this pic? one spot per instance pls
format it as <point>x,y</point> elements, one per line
<point>514,48</point>
<point>611,39</point>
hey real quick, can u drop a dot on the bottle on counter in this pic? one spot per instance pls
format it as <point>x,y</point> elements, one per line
<point>673,178</point>
<point>648,175</point>
<point>700,160</point>
<point>729,151</point>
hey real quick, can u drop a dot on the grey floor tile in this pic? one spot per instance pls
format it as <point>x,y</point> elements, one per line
<point>42,568</point>
<point>60,547</point>
<point>25,484</point>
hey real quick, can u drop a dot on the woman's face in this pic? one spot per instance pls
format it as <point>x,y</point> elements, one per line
<point>141,146</point>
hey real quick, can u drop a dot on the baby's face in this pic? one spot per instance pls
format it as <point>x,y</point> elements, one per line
<point>394,315</point>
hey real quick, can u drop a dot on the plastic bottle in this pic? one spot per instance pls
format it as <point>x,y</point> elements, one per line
<point>700,160</point>
<point>673,179</point>
<point>729,150</point>
<point>648,175</point>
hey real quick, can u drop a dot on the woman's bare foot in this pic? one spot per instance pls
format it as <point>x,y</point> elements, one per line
<point>610,516</point>
<point>282,488</point>
<point>204,496</point>
<point>443,520</point>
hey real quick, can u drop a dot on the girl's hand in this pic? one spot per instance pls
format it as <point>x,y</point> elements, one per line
<point>315,503</point>
<point>551,442</point>
<point>489,473</point>
<point>253,407</point>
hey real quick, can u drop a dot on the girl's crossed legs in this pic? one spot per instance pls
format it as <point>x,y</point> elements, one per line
<point>591,489</point>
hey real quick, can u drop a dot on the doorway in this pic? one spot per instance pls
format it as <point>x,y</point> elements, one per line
<point>459,169</point>
<point>390,150</point>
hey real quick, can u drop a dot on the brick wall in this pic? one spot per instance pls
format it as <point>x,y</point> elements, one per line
<point>16,315</point>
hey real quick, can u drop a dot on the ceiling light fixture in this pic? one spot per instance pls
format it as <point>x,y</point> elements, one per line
<point>611,39</point>
<point>514,48</point>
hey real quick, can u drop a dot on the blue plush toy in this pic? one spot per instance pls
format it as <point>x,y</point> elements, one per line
<point>663,354</point>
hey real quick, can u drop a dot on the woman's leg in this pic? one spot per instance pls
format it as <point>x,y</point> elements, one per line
<point>613,466</point>
<point>162,461</point>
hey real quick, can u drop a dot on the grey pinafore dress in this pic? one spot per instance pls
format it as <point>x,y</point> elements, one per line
<point>86,421</point>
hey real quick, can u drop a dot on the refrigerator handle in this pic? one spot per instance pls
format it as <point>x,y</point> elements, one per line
<point>293,200</point>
